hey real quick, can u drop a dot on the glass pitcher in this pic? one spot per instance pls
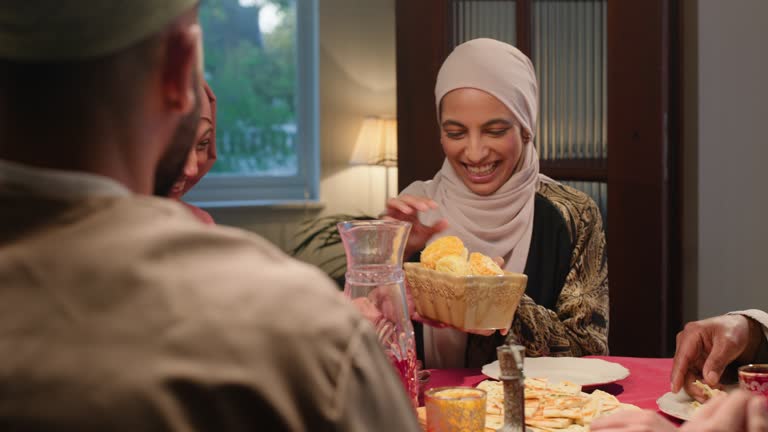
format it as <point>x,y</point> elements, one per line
<point>375,284</point>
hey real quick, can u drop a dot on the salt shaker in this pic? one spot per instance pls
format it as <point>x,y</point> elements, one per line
<point>511,364</point>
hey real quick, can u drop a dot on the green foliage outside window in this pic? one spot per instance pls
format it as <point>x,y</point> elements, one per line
<point>253,74</point>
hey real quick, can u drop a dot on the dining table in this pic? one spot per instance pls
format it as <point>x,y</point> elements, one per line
<point>648,380</point>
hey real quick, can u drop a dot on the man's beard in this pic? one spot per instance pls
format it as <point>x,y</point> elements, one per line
<point>171,165</point>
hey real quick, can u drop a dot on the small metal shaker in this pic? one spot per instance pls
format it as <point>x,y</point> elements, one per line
<point>511,364</point>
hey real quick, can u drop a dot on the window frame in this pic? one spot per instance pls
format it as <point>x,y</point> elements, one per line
<point>243,190</point>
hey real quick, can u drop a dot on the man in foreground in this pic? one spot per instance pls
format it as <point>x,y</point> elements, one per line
<point>120,311</point>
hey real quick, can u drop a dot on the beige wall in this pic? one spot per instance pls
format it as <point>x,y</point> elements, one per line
<point>357,78</point>
<point>730,255</point>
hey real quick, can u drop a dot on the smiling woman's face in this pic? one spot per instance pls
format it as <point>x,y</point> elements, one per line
<point>481,139</point>
<point>199,153</point>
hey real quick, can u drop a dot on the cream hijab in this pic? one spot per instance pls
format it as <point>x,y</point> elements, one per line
<point>500,224</point>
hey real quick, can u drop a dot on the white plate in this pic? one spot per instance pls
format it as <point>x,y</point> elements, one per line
<point>582,371</point>
<point>678,405</point>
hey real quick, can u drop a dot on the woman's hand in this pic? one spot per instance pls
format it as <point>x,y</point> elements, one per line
<point>485,332</point>
<point>367,309</point>
<point>414,314</point>
<point>437,324</point>
<point>406,208</point>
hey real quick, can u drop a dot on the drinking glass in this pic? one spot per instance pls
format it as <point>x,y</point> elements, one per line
<point>754,378</point>
<point>455,409</point>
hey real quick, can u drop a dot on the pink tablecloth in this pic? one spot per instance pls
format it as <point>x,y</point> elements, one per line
<point>648,380</point>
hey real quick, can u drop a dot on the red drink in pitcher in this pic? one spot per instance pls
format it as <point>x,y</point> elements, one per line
<point>375,282</point>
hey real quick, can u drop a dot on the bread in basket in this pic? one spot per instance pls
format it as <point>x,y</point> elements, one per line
<point>467,302</point>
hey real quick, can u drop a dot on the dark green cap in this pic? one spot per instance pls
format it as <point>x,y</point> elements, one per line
<point>61,30</point>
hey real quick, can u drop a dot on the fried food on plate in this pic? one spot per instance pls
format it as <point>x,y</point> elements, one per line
<point>551,407</point>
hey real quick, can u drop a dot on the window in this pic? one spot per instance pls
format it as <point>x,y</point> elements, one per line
<point>261,61</point>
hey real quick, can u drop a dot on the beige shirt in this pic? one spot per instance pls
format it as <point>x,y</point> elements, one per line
<point>762,318</point>
<point>124,313</point>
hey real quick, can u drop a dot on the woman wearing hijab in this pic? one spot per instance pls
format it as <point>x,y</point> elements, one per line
<point>490,194</point>
<point>201,156</point>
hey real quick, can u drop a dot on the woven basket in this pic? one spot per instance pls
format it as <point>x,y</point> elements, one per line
<point>466,302</point>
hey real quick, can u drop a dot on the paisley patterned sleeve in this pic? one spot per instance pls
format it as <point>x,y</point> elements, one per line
<point>579,325</point>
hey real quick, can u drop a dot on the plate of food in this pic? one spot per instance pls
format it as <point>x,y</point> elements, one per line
<point>582,371</point>
<point>682,406</point>
<point>549,406</point>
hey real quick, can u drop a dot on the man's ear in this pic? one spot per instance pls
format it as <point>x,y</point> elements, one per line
<point>182,60</point>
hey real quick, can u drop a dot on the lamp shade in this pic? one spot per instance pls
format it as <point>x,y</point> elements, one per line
<point>376,143</point>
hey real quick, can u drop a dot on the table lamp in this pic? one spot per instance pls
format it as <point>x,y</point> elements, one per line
<point>377,145</point>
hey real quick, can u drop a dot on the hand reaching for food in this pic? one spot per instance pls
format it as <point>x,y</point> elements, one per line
<point>406,208</point>
<point>706,347</point>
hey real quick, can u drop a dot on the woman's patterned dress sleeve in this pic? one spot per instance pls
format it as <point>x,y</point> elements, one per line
<point>579,325</point>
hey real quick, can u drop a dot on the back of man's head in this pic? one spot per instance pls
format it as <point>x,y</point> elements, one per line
<point>82,82</point>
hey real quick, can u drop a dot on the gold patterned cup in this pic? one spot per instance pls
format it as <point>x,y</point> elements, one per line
<point>455,409</point>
